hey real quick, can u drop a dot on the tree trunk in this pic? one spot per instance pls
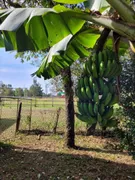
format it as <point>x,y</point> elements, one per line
<point>69,106</point>
<point>98,47</point>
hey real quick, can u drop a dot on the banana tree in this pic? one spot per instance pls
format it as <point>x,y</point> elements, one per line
<point>41,28</point>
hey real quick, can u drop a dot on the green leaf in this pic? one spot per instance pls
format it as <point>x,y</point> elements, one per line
<point>88,38</point>
<point>24,41</point>
<point>69,1</point>
<point>41,28</point>
<point>96,5</point>
<point>73,24</point>
<point>35,29</point>
<point>56,28</point>
<point>1,41</point>
<point>64,53</point>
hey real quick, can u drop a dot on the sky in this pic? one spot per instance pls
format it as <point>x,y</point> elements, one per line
<point>16,73</point>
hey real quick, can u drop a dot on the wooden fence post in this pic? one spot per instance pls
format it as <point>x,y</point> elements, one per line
<point>30,116</point>
<point>56,122</point>
<point>18,117</point>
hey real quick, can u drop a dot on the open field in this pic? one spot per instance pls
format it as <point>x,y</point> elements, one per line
<point>42,117</point>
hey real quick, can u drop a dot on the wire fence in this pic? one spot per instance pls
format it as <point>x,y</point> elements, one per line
<point>44,114</point>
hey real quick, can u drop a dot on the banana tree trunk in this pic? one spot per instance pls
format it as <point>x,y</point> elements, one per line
<point>69,106</point>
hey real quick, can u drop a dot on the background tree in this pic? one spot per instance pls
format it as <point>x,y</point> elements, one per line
<point>35,89</point>
<point>127,102</point>
<point>26,92</point>
<point>19,92</point>
<point>7,90</point>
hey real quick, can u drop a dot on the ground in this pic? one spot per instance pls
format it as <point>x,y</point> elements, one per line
<point>33,158</point>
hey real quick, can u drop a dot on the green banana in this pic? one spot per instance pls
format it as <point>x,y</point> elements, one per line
<point>89,66</point>
<point>83,93</point>
<point>114,100</point>
<point>113,68</point>
<point>105,91</point>
<point>88,120</point>
<point>111,88</point>
<point>85,70</point>
<point>82,117</point>
<point>81,82</point>
<point>95,108</point>
<point>101,85</point>
<point>94,70</point>
<point>107,99</point>
<point>99,118</point>
<point>92,120</point>
<point>108,68</point>
<point>88,92</point>
<point>80,107</point>
<point>101,68</point>
<point>101,108</point>
<point>79,95</point>
<point>90,108</point>
<point>108,113</point>
<point>85,108</point>
<point>91,82</point>
<point>86,81</point>
<point>95,87</point>
<point>96,98</point>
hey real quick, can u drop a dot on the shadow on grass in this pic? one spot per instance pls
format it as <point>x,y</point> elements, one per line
<point>36,164</point>
<point>5,124</point>
<point>101,150</point>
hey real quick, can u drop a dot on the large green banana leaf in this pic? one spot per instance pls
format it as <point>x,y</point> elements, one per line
<point>65,52</point>
<point>37,28</point>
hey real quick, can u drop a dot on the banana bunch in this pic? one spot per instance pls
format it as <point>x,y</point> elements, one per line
<point>95,89</point>
<point>102,65</point>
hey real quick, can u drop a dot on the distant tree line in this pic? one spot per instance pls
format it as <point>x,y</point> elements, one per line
<point>34,90</point>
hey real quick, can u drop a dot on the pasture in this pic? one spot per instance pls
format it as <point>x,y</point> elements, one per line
<point>30,156</point>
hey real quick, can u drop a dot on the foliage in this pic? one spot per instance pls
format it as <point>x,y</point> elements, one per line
<point>128,104</point>
<point>35,89</point>
<point>6,90</point>
<point>19,92</point>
